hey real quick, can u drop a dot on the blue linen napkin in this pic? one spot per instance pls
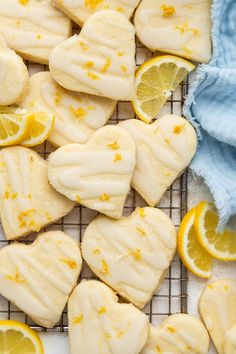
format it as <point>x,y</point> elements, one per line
<point>211,107</point>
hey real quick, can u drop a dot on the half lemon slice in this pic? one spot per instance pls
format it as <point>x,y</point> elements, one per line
<point>220,245</point>
<point>155,81</point>
<point>18,338</point>
<point>192,254</point>
<point>14,128</point>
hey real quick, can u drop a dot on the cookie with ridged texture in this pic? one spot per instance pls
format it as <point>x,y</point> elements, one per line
<point>180,27</point>
<point>98,323</point>
<point>97,174</point>
<point>100,60</point>
<point>178,334</point>
<point>217,307</point>
<point>27,201</point>
<point>77,115</point>
<point>132,254</point>
<point>33,27</point>
<point>80,10</point>
<point>38,278</point>
<point>163,150</point>
<point>14,78</point>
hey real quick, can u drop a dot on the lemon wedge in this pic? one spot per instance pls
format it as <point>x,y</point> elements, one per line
<point>14,128</point>
<point>192,254</point>
<point>18,338</point>
<point>40,129</point>
<point>155,81</point>
<point>219,245</point>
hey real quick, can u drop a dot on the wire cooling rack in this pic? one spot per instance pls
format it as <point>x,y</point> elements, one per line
<point>172,296</point>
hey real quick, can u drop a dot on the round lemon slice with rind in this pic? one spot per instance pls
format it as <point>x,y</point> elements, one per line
<point>192,254</point>
<point>219,245</point>
<point>18,338</point>
<point>155,81</point>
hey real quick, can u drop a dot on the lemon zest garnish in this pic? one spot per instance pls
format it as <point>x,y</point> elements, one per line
<point>23,219</point>
<point>141,231</point>
<point>78,319</point>
<point>17,277</point>
<point>187,50</point>
<point>107,335</point>
<point>78,112</point>
<point>114,145</point>
<point>168,11</point>
<point>96,251</point>
<point>183,28</point>
<point>83,46</point>
<point>106,7</point>
<point>32,103</point>
<point>78,198</point>
<point>120,9</point>
<point>226,288</point>
<point>136,254</point>
<point>106,65</point>
<point>117,157</point>
<point>178,129</point>
<point>104,197</point>
<point>7,195</point>
<point>105,267</point>
<point>58,98</point>
<point>93,4</point>
<point>141,212</point>
<point>38,36</point>
<point>48,216</point>
<point>92,76</point>
<point>92,108</point>
<point>70,262</point>
<point>23,2</point>
<point>167,141</point>
<point>88,65</point>
<point>120,54</point>
<point>171,329</point>
<point>120,334</point>
<point>124,68</point>
<point>158,349</point>
<point>102,310</point>
<point>14,195</point>
<point>29,196</point>
<point>210,286</point>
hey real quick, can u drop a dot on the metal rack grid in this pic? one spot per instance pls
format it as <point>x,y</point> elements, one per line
<point>172,297</point>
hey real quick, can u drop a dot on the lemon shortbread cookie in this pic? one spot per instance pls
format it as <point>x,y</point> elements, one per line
<point>14,76</point>
<point>181,27</point>
<point>27,201</point>
<point>99,324</point>
<point>33,27</point>
<point>131,254</point>
<point>218,309</point>
<point>178,334</point>
<point>80,10</point>
<point>97,174</point>
<point>100,60</point>
<point>229,345</point>
<point>164,150</point>
<point>38,278</point>
<point>77,115</point>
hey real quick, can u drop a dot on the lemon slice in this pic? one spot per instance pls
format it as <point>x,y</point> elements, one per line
<point>220,245</point>
<point>155,81</point>
<point>18,338</point>
<point>40,129</point>
<point>193,256</point>
<point>14,128</point>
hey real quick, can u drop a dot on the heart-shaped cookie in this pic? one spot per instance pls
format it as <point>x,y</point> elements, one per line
<point>181,27</point>
<point>100,60</point>
<point>99,324</point>
<point>33,27</point>
<point>77,115</point>
<point>217,307</point>
<point>80,10</point>
<point>97,174</point>
<point>178,334</point>
<point>27,201</point>
<point>131,254</point>
<point>163,150</point>
<point>11,66</point>
<point>38,278</point>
